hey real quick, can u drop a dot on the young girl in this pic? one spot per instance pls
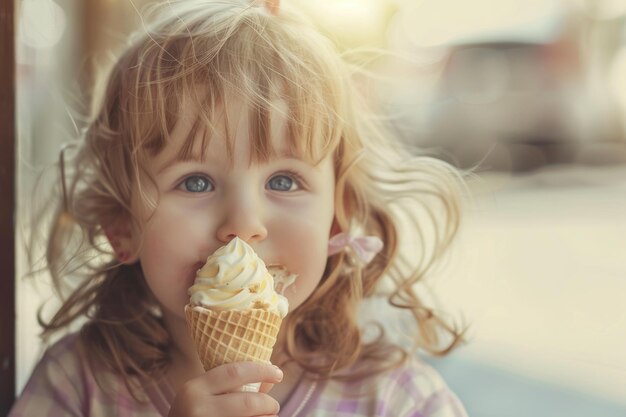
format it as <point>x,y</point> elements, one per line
<point>236,118</point>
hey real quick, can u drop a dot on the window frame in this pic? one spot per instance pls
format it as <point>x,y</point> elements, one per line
<point>7,205</point>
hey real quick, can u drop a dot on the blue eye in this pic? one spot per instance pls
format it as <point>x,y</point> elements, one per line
<point>282,183</point>
<point>196,184</point>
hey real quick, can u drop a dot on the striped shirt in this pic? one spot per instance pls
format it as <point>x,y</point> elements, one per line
<point>63,384</point>
<point>414,390</point>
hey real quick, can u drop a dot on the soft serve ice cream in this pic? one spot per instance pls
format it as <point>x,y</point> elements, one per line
<point>234,313</point>
<point>235,278</point>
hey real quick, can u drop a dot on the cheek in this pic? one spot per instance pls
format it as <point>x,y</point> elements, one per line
<point>171,251</point>
<point>177,230</point>
<point>167,237</point>
<point>310,268</point>
<point>304,250</point>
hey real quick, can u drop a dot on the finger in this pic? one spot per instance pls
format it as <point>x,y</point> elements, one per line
<point>245,404</point>
<point>232,376</point>
<point>266,387</point>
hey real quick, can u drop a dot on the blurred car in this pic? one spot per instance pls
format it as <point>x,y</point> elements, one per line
<point>519,97</point>
<point>497,98</point>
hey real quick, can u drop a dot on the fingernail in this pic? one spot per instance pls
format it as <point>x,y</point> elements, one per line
<point>278,372</point>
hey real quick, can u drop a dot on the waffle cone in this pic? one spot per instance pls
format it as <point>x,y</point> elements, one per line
<point>232,336</point>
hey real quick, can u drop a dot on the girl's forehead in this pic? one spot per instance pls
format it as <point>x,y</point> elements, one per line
<point>231,130</point>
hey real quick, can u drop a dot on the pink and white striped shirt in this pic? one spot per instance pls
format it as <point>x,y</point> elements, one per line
<point>63,384</point>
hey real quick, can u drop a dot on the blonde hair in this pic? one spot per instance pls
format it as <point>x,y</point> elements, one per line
<point>204,52</point>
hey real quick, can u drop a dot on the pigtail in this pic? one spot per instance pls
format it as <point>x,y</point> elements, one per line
<point>125,333</point>
<point>392,195</point>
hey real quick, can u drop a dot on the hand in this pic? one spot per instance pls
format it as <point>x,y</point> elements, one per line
<point>218,392</point>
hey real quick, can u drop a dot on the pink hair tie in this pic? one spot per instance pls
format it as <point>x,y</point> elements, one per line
<point>365,247</point>
<point>271,6</point>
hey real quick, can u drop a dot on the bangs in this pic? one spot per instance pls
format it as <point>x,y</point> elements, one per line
<point>247,62</point>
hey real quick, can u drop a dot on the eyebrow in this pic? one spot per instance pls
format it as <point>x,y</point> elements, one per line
<point>282,154</point>
<point>175,160</point>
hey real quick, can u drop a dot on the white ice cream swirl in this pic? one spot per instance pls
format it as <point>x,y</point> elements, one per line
<point>235,278</point>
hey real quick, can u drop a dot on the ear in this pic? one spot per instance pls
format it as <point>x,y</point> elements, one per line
<point>335,228</point>
<point>120,238</point>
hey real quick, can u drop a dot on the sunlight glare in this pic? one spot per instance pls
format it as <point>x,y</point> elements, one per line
<point>41,24</point>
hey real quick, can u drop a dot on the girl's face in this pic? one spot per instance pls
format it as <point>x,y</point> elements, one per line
<point>283,208</point>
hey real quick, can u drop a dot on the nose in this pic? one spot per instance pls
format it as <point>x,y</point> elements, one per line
<point>242,217</point>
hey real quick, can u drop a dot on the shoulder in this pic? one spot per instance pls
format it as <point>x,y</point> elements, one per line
<point>57,384</point>
<point>62,363</point>
<point>63,383</point>
<point>418,386</point>
<point>414,388</point>
<point>64,353</point>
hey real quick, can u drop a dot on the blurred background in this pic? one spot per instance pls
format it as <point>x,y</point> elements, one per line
<point>530,95</point>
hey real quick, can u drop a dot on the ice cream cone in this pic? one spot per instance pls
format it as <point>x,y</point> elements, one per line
<point>232,335</point>
<point>234,312</point>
